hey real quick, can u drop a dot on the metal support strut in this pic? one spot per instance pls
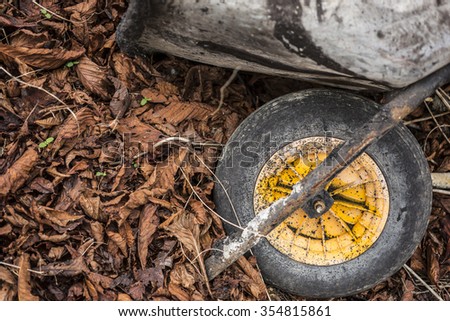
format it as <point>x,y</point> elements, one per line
<point>390,114</point>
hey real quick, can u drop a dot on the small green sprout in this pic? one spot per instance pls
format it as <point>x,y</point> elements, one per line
<point>144,101</point>
<point>46,14</point>
<point>100,174</point>
<point>46,142</point>
<point>135,165</point>
<point>70,64</point>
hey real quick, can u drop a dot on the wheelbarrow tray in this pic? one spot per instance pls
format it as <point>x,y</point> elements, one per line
<point>358,45</point>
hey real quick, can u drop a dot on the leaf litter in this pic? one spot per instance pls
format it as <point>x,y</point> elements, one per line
<point>142,229</point>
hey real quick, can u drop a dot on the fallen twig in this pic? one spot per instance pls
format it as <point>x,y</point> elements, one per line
<point>206,205</point>
<point>418,120</point>
<point>444,97</point>
<point>428,135</point>
<point>437,124</point>
<point>435,294</point>
<point>57,15</point>
<point>222,89</point>
<point>18,268</point>
<point>441,191</point>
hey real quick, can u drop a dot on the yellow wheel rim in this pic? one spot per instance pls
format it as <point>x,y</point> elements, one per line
<point>352,224</point>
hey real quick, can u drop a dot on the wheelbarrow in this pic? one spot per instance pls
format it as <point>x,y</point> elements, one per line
<point>329,190</point>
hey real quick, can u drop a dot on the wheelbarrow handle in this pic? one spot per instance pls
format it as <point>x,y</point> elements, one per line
<point>389,115</point>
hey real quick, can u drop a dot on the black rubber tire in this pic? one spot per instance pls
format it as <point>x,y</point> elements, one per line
<point>316,113</point>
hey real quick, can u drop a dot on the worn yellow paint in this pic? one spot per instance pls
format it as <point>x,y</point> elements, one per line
<point>350,227</point>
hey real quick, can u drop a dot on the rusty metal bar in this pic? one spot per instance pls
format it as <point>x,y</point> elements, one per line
<point>387,118</point>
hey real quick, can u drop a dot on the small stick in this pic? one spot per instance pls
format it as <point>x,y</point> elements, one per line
<point>223,188</point>
<point>18,267</point>
<point>428,135</point>
<point>418,120</point>
<point>441,191</point>
<point>434,118</point>
<point>222,89</point>
<point>206,205</point>
<point>54,13</point>
<point>436,295</point>
<point>171,139</point>
<point>441,95</point>
<point>6,36</point>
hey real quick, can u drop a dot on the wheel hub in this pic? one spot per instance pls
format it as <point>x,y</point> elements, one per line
<point>318,205</point>
<point>335,226</point>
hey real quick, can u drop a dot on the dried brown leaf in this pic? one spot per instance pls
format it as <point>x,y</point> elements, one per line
<point>183,274</point>
<point>408,291</point>
<point>7,292</point>
<point>24,286</point>
<point>76,292</point>
<point>127,233</point>
<point>56,238</point>
<point>124,297</point>
<point>117,239</point>
<point>256,285</point>
<point>14,218</point>
<point>199,210</point>
<point>433,268</point>
<point>445,165</point>
<point>161,202</point>
<point>138,132</point>
<point>93,78</point>
<point>42,185</point>
<point>48,122</point>
<point>137,291</point>
<point>61,218</point>
<point>97,231</point>
<point>91,289</point>
<point>183,227</point>
<point>178,292</point>
<point>120,101</point>
<point>73,127</point>
<point>137,199</point>
<point>104,281</point>
<point>10,120</point>
<point>10,21</point>
<point>5,230</point>
<point>7,276</point>
<point>68,268</point>
<point>148,224</point>
<point>91,206</point>
<point>417,262</point>
<point>176,112</point>
<point>29,39</point>
<point>164,173</point>
<point>118,178</point>
<point>83,8</point>
<point>60,28</point>
<point>41,57</point>
<point>56,252</point>
<point>153,96</point>
<point>155,276</point>
<point>18,173</point>
<point>166,88</point>
<point>445,202</point>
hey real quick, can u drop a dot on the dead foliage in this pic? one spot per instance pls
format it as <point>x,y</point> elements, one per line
<point>94,191</point>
